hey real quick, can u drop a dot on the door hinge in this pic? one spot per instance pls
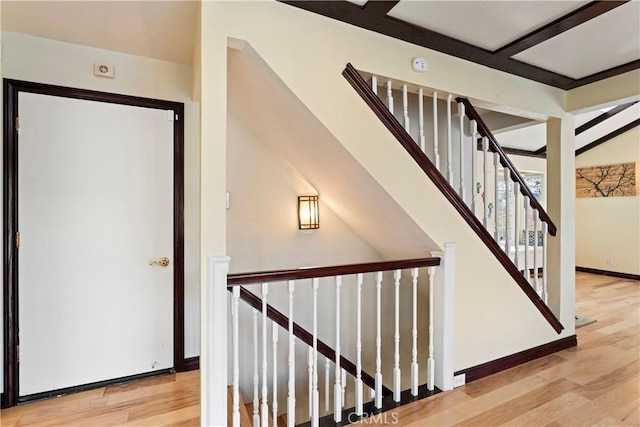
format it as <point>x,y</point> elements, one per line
<point>17,240</point>
<point>18,125</point>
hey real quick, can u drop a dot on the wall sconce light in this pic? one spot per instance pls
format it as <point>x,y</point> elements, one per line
<point>308,215</point>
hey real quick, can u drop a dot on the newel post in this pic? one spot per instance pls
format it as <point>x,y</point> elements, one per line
<point>443,317</point>
<point>213,354</point>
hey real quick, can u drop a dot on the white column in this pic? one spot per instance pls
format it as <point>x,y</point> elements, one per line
<point>256,376</point>
<point>526,239</point>
<point>536,281</point>
<point>378,376</point>
<point>436,153</point>
<point>337,389</point>
<point>474,166</point>
<point>485,180</point>
<point>430,361</point>
<point>389,97</point>
<point>444,318</point>
<point>414,333</point>
<point>421,119</point>
<point>327,385</point>
<point>374,84</point>
<point>274,344</point>
<point>405,107</point>
<point>449,156</point>
<point>310,373</point>
<point>264,407</point>
<point>359,401</point>
<point>236,367</point>
<point>344,385</point>
<point>291,396</point>
<point>315,418</point>
<point>462,183</point>
<point>396,339</point>
<point>516,225</point>
<point>213,387</point>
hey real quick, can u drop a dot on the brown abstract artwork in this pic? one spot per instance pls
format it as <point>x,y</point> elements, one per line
<point>606,181</point>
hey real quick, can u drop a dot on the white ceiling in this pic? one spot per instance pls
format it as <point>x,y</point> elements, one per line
<point>156,29</point>
<point>487,24</point>
<point>604,42</point>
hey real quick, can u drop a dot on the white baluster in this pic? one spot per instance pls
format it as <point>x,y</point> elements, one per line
<point>545,261</point>
<point>389,97</point>
<point>236,367</point>
<point>507,248</point>
<point>359,402</point>
<point>474,166</point>
<point>327,385</point>
<point>344,385</point>
<point>436,153</point>
<point>315,419</point>
<point>516,225</point>
<point>378,376</point>
<point>310,372</point>
<point>526,239</point>
<point>414,333</point>
<point>485,180</point>
<point>536,282</point>
<point>337,413</point>
<point>291,397</point>
<point>462,184</point>
<point>421,119</point>
<point>274,343</point>
<point>405,107</point>
<point>430,361</point>
<point>264,409</point>
<point>496,164</point>
<point>449,157</point>
<point>374,84</point>
<point>256,377</point>
<point>396,338</point>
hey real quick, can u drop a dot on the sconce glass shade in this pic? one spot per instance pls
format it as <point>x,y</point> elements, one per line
<point>308,215</point>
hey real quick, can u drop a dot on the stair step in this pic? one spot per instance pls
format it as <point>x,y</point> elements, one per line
<point>245,420</point>
<point>282,419</point>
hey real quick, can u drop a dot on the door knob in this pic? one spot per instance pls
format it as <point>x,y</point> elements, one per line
<point>162,262</point>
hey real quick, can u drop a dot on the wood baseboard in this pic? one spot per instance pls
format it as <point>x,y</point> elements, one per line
<point>608,273</point>
<point>1,400</point>
<point>192,363</point>
<point>489,368</point>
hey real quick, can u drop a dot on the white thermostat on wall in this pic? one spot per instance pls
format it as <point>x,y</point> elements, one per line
<point>419,64</point>
<point>103,70</point>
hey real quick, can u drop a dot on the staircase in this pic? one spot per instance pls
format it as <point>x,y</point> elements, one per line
<point>348,393</point>
<point>517,232</point>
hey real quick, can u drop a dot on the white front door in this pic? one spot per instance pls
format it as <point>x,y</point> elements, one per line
<point>95,207</point>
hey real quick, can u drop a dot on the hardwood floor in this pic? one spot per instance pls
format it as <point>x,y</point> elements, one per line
<point>594,384</point>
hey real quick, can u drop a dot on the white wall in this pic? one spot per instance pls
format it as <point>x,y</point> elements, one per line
<point>609,227</point>
<point>41,60</point>
<point>281,34</point>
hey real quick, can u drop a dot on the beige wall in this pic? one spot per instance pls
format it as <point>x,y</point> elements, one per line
<point>283,36</point>
<point>609,228</point>
<point>46,61</point>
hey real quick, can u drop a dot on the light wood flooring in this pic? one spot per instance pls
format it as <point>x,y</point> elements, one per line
<point>595,384</point>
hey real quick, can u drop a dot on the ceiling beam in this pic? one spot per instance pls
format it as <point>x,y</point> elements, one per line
<point>559,26</point>
<point>374,11</point>
<point>602,117</point>
<point>608,136</point>
<point>620,69</point>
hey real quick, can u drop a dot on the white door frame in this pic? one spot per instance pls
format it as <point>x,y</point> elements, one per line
<point>12,88</point>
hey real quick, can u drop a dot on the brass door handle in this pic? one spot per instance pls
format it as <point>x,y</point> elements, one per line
<point>162,262</point>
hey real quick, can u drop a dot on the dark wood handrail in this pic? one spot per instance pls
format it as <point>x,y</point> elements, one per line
<point>398,131</point>
<point>334,270</point>
<point>306,337</point>
<point>494,147</point>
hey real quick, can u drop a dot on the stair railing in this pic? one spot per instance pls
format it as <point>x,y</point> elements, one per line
<point>521,261</point>
<point>370,276</point>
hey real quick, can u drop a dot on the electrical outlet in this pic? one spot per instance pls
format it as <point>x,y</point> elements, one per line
<point>459,380</point>
<point>609,261</point>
